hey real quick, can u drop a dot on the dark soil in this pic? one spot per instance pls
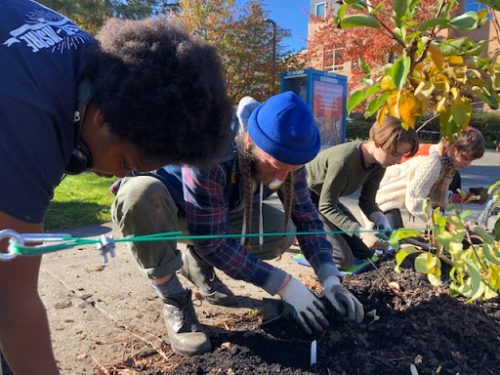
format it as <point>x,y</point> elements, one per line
<point>419,325</point>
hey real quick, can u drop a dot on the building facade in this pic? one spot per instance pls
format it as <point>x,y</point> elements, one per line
<point>330,59</point>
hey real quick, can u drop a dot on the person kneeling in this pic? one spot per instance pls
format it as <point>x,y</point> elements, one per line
<point>347,168</point>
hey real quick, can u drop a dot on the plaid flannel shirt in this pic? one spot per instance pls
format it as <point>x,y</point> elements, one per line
<point>206,206</point>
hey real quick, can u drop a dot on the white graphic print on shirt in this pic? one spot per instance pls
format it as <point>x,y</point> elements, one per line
<point>46,29</point>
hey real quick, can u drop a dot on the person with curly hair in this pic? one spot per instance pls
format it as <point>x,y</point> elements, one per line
<point>410,184</point>
<point>344,169</point>
<point>274,141</point>
<point>142,95</point>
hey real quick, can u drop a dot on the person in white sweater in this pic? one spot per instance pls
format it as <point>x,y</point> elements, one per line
<point>408,185</point>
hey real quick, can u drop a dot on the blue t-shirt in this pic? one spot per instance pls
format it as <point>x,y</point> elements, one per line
<point>41,58</point>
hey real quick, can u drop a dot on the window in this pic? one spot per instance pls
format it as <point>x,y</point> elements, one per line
<point>320,10</point>
<point>338,62</point>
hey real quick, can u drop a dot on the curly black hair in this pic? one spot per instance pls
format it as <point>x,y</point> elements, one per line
<point>161,90</point>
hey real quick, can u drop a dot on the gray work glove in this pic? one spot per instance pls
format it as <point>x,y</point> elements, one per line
<point>308,309</point>
<point>342,300</point>
<point>381,223</point>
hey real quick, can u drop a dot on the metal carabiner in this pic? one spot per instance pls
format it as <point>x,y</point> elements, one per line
<point>106,246</point>
<point>14,238</point>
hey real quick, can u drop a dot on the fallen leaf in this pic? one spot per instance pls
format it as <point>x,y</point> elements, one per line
<point>394,285</point>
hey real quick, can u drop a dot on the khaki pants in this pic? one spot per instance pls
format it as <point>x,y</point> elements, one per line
<point>143,206</point>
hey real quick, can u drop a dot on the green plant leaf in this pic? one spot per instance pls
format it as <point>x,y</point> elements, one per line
<point>490,97</point>
<point>474,280</point>
<point>432,23</point>
<point>355,99</point>
<point>413,4</point>
<point>400,8</point>
<point>360,20</point>
<point>453,46</point>
<point>400,71</point>
<point>497,230</point>
<point>438,219</point>
<point>375,104</point>
<point>425,262</point>
<point>491,254</point>
<point>402,254</point>
<point>360,95</point>
<point>444,237</point>
<point>485,236</point>
<point>434,275</point>
<point>466,21</point>
<point>337,19</point>
<point>365,68</point>
<point>477,48</point>
<point>401,233</point>
<point>465,214</point>
<point>461,112</point>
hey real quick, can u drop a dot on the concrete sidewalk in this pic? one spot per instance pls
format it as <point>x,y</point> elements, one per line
<point>102,314</point>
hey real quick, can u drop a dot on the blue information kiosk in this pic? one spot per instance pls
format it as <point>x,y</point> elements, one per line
<point>326,95</point>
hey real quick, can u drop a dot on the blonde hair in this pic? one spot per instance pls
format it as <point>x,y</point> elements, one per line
<point>468,142</point>
<point>390,134</point>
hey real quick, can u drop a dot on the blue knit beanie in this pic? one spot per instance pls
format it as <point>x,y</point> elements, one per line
<point>284,128</point>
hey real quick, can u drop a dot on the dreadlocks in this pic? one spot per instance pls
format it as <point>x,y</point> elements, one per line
<point>248,159</point>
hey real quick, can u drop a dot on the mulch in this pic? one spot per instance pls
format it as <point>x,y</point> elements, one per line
<point>413,328</point>
<point>418,325</point>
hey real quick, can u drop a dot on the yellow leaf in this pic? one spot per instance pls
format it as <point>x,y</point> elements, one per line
<point>381,115</point>
<point>423,92</point>
<point>436,55</point>
<point>441,82</point>
<point>441,106</point>
<point>455,60</point>
<point>387,84</point>
<point>392,104</point>
<point>409,108</point>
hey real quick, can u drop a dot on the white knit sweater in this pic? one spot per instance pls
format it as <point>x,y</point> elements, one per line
<point>409,184</point>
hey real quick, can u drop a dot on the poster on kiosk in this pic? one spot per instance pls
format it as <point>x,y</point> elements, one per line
<point>326,95</point>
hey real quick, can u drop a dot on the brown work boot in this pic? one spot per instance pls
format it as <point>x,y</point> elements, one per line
<point>185,333</point>
<point>203,276</point>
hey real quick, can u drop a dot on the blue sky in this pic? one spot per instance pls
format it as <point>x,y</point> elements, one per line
<point>292,15</point>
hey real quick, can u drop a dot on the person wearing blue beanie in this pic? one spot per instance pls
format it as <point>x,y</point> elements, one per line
<point>273,142</point>
<point>284,128</point>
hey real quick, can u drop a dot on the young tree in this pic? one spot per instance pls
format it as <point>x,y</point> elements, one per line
<point>431,73</point>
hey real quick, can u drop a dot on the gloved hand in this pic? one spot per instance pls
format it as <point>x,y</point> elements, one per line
<point>373,241</point>
<point>382,223</point>
<point>342,300</point>
<point>309,310</point>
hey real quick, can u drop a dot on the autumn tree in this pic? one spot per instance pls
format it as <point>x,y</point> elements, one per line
<point>239,30</point>
<point>243,39</point>
<point>91,14</point>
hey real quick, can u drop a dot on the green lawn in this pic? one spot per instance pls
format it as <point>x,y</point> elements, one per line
<point>80,200</point>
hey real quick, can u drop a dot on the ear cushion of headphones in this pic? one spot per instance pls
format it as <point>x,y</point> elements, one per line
<point>80,161</point>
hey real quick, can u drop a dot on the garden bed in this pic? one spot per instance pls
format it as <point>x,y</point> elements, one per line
<point>417,325</point>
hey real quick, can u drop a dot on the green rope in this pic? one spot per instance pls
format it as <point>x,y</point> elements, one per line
<point>70,242</point>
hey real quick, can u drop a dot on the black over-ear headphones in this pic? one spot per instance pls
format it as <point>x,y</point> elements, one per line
<point>81,158</point>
